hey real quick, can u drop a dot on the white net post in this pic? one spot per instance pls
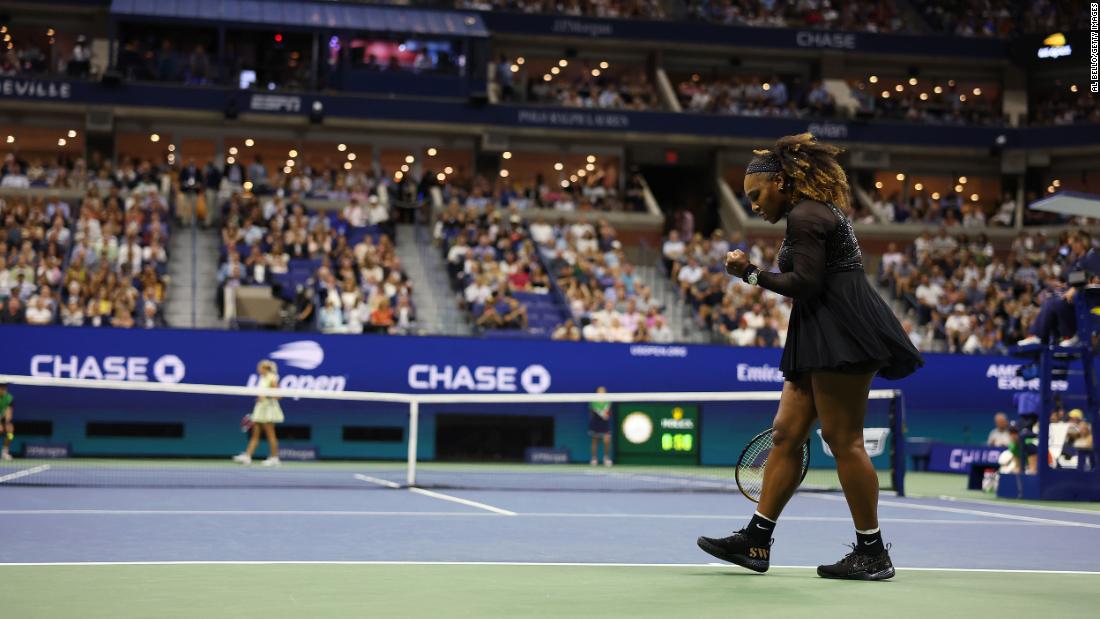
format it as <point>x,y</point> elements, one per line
<point>414,430</point>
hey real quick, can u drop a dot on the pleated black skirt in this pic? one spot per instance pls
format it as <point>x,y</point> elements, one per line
<point>847,328</point>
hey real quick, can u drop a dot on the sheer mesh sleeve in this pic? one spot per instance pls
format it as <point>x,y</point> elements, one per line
<point>808,225</point>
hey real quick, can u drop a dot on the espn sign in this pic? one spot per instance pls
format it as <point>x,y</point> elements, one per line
<point>275,103</point>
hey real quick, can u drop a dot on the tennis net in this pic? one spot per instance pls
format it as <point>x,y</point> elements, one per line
<point>74,432</point>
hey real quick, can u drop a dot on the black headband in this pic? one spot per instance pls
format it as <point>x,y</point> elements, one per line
<point>764,163</point>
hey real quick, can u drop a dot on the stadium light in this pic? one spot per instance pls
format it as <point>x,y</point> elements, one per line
<point>287,170</point>
<point>171,148</point>
<point>250,142</point>
<point>1056,183</point>
<point>900,176</point>
<point>958,188</point>
<point>72,133</point>
<point>341,147</point>
<point>514,68</point>
<point>293,153</point>
<point>247,185</point>
<point>886,94</point>
<point>899,88</point>
<point>938,90</point>
<point>912,81</point>
<point>977,92</point>
<point>919,186</point>
<point>398,175</point>
<point>873,79</point>
<point>582,173</point>
<point>766,86</point>
<point>507,154</point>
<point>935,195</point>
<point>232,150</point>
<point>962,180</point>
<point>962,98</point>
<point>555,70</point>
<point>973,197</point>
<point>951,83</point>
<point>432,152</point>
<point>405,168</point>
<point>347,165</point>
<point>410,159</point>
<point>11,139</point>
<point>590,167</point>
<point>504,173</point>
<point>441,177</point>
<point>923,96</point>
<point>878,184</point>
<point>559,166</point>
<point>61,141</point>
<point>563,63</point>
<point>290,163</point>
<point>547,77</point>
<point>591,159</point>
<point>448,170</point>
<point>1073,88</point>
<point>154,138</point>
<point>231,160</point>
<point>351,156</point>
<point>564,184</point>
<point>521,60</point>
<point>604,65</point>
<point>595,72</point>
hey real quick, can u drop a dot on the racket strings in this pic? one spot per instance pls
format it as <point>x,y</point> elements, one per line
<point>754,459</point>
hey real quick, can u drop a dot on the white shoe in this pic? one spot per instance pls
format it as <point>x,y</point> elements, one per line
<point>271,462</point>
<point>5,455</point>
<point>593,462</point>
<point>1029,340</point>
<point>1070,342</point>
<point>607,462</point>
<point>244,459</point>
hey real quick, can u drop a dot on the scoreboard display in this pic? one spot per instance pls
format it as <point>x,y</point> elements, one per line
<point>657,434</point>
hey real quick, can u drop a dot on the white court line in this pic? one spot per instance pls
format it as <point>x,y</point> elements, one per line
<point>556,515</point>
<point>24,473</point>
<point>1049,508</point>
<point>375,480</point>
<point>436,495</point>
<point>515,564</point>
<point>972,512</point>
<point>461,501</point>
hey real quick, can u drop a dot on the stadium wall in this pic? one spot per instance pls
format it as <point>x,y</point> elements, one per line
<point>952,399</point>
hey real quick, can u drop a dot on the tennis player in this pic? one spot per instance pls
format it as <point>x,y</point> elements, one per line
<point>599,427</point>
<point>265,414</point>
<point>6,425</point>
<point>841,334</point>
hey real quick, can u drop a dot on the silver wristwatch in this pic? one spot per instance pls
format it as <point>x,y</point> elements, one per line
<point>752,276</point>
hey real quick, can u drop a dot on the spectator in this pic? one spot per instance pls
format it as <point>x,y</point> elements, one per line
<point>999,436</point>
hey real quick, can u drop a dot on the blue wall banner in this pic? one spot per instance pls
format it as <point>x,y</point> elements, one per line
<point>946,458</point>
<point>951,400</point>
<point>458,111</point>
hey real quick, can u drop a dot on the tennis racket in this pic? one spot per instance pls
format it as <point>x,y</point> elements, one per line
<point>246,423</point>
<point>750,466</point>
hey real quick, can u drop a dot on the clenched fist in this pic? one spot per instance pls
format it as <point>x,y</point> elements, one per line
<point>736,263</point>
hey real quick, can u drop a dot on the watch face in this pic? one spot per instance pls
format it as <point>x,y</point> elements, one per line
<point>752,278</point>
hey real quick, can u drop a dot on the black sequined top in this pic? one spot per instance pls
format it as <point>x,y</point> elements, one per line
<point>819,241</point>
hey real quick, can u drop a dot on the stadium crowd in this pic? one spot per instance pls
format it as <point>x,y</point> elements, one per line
<point>339,266</point>
<point>99,260</point>
<point>597,191</point>
<point>753,96</point>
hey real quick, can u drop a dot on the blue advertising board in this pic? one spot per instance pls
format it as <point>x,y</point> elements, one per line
<point>952,399</point>
<point>450,111</point>
<point>948,458</point>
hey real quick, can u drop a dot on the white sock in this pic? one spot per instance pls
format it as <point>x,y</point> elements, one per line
<point>868,531</point>
<point>765,517</point>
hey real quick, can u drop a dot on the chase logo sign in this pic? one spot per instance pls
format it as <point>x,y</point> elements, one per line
<point>427,377</point>
<point>164,369</point>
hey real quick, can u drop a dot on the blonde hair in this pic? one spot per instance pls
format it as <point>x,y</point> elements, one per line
<point>269,366</point>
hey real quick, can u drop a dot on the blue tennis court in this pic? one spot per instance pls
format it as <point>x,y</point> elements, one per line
<point>414,540</point>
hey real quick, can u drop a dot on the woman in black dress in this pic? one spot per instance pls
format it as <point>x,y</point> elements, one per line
<point>841,334</point>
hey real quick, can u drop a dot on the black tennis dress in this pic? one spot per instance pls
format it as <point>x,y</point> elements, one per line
<point>838,321</point>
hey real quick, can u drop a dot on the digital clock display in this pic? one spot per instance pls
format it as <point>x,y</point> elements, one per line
<point>657,434</point>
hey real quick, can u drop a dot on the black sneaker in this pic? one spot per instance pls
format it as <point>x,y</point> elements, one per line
<point>739,549</point>
<point>856,566</point>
